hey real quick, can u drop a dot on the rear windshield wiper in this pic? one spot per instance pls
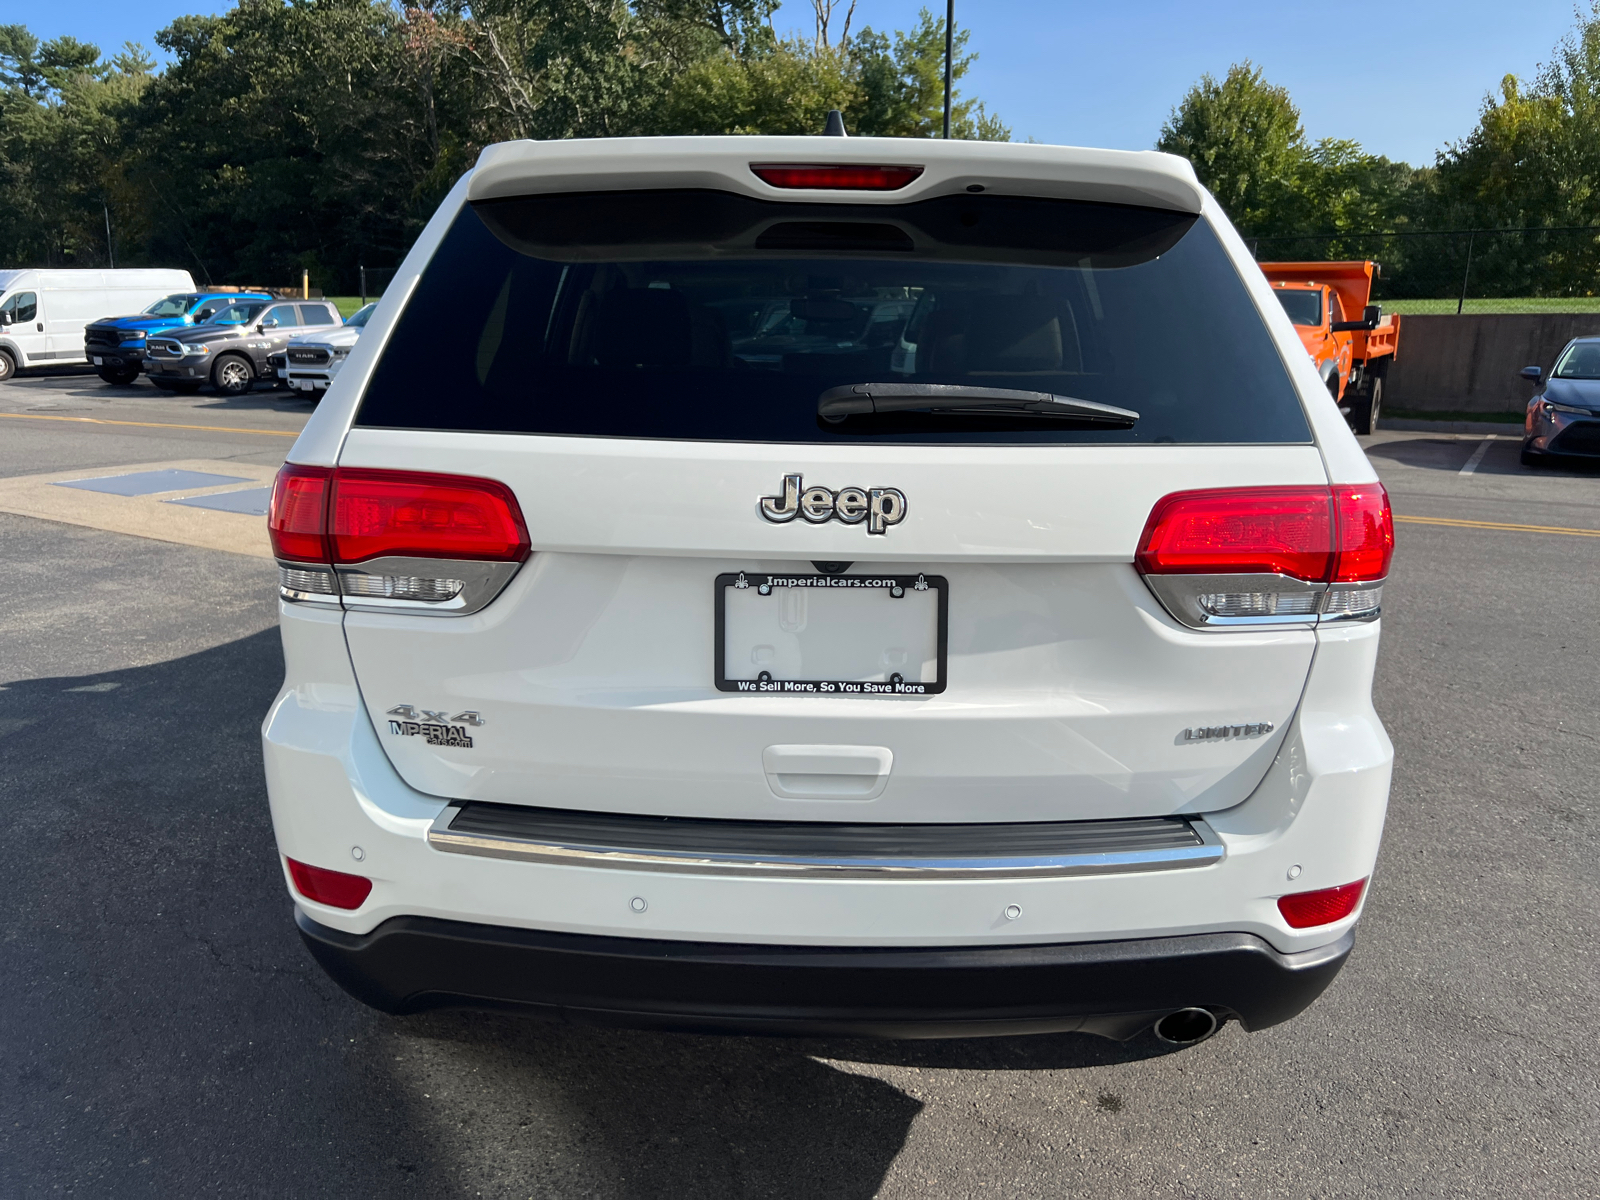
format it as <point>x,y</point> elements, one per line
<point>836,404</point>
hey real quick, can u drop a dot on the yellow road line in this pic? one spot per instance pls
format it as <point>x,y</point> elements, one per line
<point>1498,525</point>
<point>151,424</point>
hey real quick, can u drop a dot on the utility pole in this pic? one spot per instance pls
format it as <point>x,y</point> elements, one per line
<point>111,253</point>
<point>949,44</point>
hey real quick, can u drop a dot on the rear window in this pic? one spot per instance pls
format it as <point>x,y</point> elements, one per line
<point>702,315</point>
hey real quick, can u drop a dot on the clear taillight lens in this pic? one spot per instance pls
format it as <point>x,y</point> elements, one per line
<point>1269,555</point>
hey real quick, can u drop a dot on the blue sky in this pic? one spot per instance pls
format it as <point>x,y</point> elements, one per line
<point>1402,78</point>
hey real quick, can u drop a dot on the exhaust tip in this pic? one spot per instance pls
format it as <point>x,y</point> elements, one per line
<point>1187,1026</point>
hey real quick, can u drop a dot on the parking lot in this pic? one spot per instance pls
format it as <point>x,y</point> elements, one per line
<point>166,1034</point>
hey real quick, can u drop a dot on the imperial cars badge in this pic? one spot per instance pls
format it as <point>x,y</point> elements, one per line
<point>433,726</point>
<point>879,507</point>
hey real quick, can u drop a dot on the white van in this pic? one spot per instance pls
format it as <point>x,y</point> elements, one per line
<point>43,313</point>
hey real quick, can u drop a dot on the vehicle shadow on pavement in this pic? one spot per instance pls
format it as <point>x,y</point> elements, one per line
<point>167,1034</point>
<point>1450,455</point>
<point>631,1113</point>
<point>1429,454</point>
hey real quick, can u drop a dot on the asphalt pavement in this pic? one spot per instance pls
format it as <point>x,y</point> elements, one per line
<point>163,1032</point>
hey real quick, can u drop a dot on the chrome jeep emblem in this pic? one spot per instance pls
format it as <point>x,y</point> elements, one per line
<point>879,507</point>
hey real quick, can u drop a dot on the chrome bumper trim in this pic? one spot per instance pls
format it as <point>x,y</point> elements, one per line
<point>1071,847</point>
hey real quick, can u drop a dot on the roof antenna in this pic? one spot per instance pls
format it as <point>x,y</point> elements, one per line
<point>835,126</point>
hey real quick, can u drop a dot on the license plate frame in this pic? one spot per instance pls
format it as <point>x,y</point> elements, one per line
<point>765,685</point>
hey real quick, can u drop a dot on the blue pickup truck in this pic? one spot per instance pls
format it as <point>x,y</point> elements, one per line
<point>116,345</point>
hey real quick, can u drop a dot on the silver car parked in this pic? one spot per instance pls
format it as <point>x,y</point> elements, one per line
<point>1563,418</point>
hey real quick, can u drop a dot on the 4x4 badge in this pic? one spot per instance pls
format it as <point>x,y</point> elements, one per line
<point>879,507</point>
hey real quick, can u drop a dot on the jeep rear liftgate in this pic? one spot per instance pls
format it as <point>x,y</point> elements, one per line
<point>725,507</point>
<point>957,671</point>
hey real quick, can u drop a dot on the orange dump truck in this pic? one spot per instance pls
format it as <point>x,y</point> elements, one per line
<point>1350,340</point>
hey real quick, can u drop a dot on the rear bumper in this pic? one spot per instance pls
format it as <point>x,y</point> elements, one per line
<point>1115,989</point>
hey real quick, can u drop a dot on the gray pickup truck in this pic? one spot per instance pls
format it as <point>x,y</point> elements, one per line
<point>232,352</point>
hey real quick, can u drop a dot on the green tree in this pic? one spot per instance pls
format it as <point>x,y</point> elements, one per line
<point>62,179</point>
<point>885,86</point>
<point>1244,137</point>
<point>320,134</point>
<point>1532,163</point>
<point>902,88</point>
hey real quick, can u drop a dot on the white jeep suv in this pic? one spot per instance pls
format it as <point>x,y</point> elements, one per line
<point>654,660</point>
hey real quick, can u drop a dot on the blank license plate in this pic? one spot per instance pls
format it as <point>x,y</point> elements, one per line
<point>831,635</point>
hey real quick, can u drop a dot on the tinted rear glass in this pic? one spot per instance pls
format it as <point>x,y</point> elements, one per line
<point>708,316</point>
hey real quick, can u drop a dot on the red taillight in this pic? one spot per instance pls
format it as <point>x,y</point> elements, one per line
<point>1343,534</point>
<point>835,178</point>
<point>418,515</point>
<point>1322,907</point>
<point>333,888</point>
<point>1286,531</point>
<point>1366,532</point>
<point>347,515</point>
<point>297,515</point>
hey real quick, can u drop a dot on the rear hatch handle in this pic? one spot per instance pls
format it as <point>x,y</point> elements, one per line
<point>836,404</point>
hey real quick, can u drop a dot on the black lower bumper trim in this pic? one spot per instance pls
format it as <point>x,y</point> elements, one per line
<point>408,964</point>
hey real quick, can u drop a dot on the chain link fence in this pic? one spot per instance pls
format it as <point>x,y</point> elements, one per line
<point>1463,271</point>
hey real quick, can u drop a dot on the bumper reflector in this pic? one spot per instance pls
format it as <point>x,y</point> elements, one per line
<point>333,888</point>
<point>1303,910</point>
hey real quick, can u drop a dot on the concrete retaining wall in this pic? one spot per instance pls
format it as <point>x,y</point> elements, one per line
<point>1470,363</point>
